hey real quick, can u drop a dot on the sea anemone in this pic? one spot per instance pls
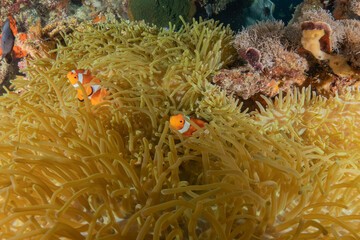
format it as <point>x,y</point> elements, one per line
<point>115,170</point>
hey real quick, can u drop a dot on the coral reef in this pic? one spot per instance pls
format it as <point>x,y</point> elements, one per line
<point>316,15</point>
<point>272,67</point>
<point>116,7</point>
<point>53,29</point>
<point>339,67</point>
<point>308,5</point>
<point>313,49</point>
<point>316,39</point>
<point>3,72</point>
<point>13,6</point>
<point>45,20</point>
<point>115,170</point>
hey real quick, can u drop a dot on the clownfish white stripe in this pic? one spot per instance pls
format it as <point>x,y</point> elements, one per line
<point>91,89</point>
<point>186,126</point>
<point>81,77</point>
<point>95,88</point>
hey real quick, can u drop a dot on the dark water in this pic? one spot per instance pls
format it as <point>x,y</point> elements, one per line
<point>284,9</point>
<point>242,13</point>
<point>237,13</point>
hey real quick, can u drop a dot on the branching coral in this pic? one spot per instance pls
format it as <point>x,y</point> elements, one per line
<point>115,170</point>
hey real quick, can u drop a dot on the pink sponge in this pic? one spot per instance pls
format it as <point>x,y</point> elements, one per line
<point>253,56</point>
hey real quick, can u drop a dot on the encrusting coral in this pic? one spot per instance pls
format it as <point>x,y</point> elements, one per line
<point>115,170</point>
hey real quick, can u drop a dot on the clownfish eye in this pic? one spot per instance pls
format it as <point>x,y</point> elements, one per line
<point>75,77</point>
<point>181,121</point>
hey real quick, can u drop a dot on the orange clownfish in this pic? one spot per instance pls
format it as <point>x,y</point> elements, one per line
<point>182,123</point>
<point>94,92</point>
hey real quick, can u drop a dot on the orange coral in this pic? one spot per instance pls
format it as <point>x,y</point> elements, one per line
<point>22,36</point>
<point>99,19</point>
<point>18,52</point>
<point>13,25</point>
